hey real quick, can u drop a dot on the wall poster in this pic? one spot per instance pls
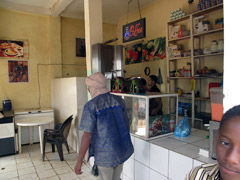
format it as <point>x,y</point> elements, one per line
<point>14,49</point>
<point>17,71</point>
<point>154,49</point>
<point>80,47</point>
<point>133,54</point>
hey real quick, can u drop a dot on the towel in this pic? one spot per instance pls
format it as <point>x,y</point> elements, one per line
<point>96,84</point>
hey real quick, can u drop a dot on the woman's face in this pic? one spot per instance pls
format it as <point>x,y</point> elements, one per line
<point>228,149</point>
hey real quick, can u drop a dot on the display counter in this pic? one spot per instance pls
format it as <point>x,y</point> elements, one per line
<point>166,158</point>
<point>145,125</point>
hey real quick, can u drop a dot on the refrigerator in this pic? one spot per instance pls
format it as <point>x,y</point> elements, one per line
<point>69,95</point>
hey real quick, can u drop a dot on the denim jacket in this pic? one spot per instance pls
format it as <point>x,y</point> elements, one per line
<point>105,117</point>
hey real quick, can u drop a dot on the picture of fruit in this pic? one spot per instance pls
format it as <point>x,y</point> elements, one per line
<point>133,54</point>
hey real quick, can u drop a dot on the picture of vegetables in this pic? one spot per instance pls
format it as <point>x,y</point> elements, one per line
<point>154,49</point>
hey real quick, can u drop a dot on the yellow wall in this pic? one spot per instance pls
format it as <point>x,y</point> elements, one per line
<point>72,28</point>
<point>35,29</point>
<point>51,44</point>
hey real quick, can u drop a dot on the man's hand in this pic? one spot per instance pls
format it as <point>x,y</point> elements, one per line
<point>154,112</point>
<point>78,167</point>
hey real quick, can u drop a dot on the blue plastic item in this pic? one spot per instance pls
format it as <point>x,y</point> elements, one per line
<point>183,128</point>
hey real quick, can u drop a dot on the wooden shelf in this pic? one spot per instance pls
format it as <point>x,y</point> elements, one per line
<point>177,39</point>
<point>196,98</point>
<point>179,58</point>
<point>197,119</point>
<point>182,97</point>
<point>173,78</point>
<point>207,77</point>
<point>195,40</point>
<point>206,55</point>
<point>202,98</point>
<point>208,10</point>
<point>179,20</point>
<point>208,32</point>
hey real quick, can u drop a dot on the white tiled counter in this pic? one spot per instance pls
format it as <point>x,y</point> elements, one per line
<point>166,158</point>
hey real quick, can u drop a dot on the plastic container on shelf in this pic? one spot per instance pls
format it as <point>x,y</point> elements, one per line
<point>216,95</point>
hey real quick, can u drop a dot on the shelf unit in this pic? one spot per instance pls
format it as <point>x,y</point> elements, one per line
<point>194,41</point>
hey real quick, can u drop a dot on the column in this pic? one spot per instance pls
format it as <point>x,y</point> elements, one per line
<point>93,28</point>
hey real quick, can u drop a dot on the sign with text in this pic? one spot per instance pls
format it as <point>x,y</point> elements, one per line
<point>134,30</point>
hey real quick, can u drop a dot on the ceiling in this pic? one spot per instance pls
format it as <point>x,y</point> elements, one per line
<point>112,9</point>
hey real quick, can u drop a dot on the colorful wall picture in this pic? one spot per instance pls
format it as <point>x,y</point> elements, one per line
<point>80,47</point>
<point>133,54</point>
<point>17,71</point>
<point>13,49</point>
<point>154,49</point>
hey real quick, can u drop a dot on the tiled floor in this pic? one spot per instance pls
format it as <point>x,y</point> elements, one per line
<point>29,165</point>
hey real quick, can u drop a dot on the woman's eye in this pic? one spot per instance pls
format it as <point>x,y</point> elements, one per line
<point>224,143</point>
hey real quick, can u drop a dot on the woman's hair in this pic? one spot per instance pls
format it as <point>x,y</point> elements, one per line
<point>233,112</point>
<point>153,78</point>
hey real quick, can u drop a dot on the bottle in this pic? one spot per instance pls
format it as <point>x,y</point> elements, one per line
<point>220,45</point>
<point>214,47</point>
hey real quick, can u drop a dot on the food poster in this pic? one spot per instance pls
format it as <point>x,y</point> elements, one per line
<point>154,49</point>
<point>133,54</point>
<point>13,49</point>
<point>17,71</point>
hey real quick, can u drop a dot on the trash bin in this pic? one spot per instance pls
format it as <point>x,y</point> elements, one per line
<point>216,95</point>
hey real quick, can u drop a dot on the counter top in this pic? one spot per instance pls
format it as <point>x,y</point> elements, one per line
<point>188,146</point>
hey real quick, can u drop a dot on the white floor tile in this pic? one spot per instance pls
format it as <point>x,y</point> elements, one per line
<point>32,176</point>
<point>25,165</point>
<point>51,178</point>
<point>8,175</point>
<point>7,162</point>
<point>68,176</point>
<point>39,162</point>
<point>46,173</point>
<point>58,164</point>
<point>25,171</point>
<point>86,172</point>
<point>88,178</point>
<point>29,166</point>
<point>7,168</point>
<point>22,160</point>
<point>62,170</point>
<point>43,167</point>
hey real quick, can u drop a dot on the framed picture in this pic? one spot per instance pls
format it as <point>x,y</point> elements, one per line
<point>154,49</point>
<point>80,47</point>
<point>17,49</point>
<point>17,71</point>
<point>133,54</point>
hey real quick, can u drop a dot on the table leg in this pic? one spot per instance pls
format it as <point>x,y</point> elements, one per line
<point>19,140</point>
<point>30,135</point>
<point>40,138</point>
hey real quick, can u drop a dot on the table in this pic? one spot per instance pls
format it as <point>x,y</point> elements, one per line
<point>33,121</point>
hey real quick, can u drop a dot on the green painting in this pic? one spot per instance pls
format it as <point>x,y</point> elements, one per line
<point>154,49</point>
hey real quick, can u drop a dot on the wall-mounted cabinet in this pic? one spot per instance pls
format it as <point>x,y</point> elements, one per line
<point>195,59</point>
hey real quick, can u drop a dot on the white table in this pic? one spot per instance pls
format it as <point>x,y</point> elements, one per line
<point>29,122</point>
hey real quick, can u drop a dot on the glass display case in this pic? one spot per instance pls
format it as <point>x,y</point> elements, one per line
<point>147,123</point>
